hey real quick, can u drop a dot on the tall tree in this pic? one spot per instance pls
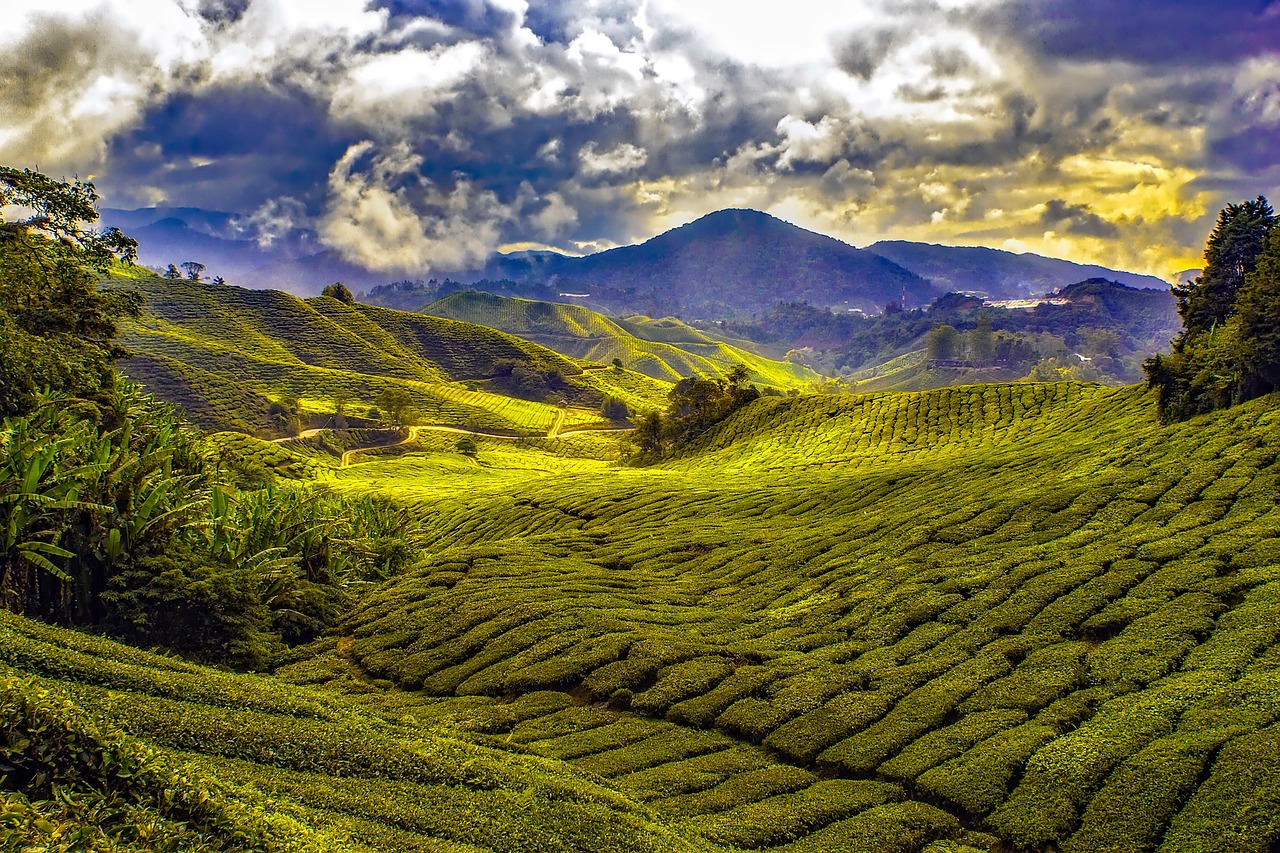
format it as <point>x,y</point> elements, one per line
<point>982,342</point>
<point>194,269</point>
<point>1258,314</point>
<point>1233,248</point>
<point>1226,352</point>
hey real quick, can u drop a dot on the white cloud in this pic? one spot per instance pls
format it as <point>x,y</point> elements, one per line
<point>619,160</point>
<point>382,214</point>
<point>406,84</point>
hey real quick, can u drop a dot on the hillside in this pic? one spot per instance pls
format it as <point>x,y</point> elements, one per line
<point>1018,614</point>
<point>664,349</point>
<point>193,759</point>
<point>987,618</point>
<point>224,353</point>
<point>999,274</point>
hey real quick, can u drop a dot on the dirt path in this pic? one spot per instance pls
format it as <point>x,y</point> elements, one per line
<point>559,422</point>
<point>306,433</point>
<point>415,431</point>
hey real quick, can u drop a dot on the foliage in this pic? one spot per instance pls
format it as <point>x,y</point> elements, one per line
<point>1226,352</point>
<point>695,406</point>
<point>340,292</point>
<point>396,405</point>
<point>73,784</point>
<point>58,329</point>
<point>615,409</point>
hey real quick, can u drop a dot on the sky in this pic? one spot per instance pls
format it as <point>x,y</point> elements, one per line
<point>414,135</point>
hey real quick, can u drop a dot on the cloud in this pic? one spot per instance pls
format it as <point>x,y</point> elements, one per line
<point>1075,219</point>
<point>274,221</point>
<point>382,214</point>
<point>422,133</point>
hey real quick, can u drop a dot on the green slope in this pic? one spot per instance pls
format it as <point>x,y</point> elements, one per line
<point>1021,615</point>
<point>224,353</point>
<point>665,349</point>
<point>239,762</point>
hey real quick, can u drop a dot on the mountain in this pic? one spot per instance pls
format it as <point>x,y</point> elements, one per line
<point>999,274</point>
<point>666,349</point>
<point>726,263</point>
<point>229,247</point>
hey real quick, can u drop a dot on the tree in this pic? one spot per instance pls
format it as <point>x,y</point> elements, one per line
<point>339,291</point>
<point>172,274</point>
<point>942,342</point>
<point>57,325</point>
<point>219,280</point>
<point>617,364</point>
<point>1225,352</point>
<point>194,269</point>
<point>982,342</point>
<point>62,212</point>
<point>396,405</point>
<point>615,409</point>
<point>1230,254</point>
<point>467,446</point>
<point>1258,313</point>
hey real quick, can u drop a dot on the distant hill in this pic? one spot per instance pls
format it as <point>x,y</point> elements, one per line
<point>225,353</point>
<point>998,274</point>
<point>665,349</point>
<point>727,264</point>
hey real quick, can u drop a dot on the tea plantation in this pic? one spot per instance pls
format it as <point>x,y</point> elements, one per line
<point>225,353</point>
<point>1020,615</point>
<point>1000,617</point>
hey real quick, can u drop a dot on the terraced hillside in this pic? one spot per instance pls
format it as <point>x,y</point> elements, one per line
<point>141,753</point>
<point>224,353</point>
<point>664,349</point>
<point>1008,617</point>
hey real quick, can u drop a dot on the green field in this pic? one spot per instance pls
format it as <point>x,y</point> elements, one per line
<point>665,349</point>
<point>1000,617</point>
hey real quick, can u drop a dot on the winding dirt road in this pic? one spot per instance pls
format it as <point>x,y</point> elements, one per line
<point>557,431</point>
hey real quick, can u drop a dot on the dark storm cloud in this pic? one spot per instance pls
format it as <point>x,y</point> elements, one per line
<point>862,53</point>
<point>1152,32</point>
<point>261,144</point>
<point>1075,219</point>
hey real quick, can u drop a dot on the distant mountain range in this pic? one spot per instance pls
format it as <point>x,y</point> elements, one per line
<point>1000,275</point>
<point>728,263</point>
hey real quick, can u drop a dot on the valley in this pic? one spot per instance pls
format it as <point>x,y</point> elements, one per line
<point>501,575</point>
